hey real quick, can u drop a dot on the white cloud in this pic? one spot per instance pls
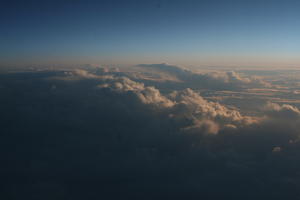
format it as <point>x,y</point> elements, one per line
<point>185,104</point>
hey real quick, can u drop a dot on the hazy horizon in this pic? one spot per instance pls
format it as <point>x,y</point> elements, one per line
<point>204,33</point>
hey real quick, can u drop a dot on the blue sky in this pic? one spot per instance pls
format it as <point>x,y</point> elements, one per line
<point>210,32</point>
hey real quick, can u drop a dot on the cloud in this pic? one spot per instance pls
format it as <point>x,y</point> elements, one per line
<point>282,112</point>
<point>172,69</point>
<point>147,95</point>
<point>105,133</point>
<point>82,73</point>
<point>191,104</point>
<point>188,107</point>
<point>79,74</point>
<point>212,80</point>
<point>185,104</point>
<point>234,78</point>
<point>277,149</point>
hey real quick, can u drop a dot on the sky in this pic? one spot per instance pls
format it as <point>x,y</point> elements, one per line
<point>189,32</point>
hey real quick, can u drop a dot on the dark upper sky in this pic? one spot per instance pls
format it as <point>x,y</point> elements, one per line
<point>203,32</point>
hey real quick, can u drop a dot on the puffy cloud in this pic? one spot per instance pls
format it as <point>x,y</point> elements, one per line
<point>282,112</point>
<point>192,105</point>
<point>122,84</point>
<point>186,104</point>
<point>148,95</point>
<point>82,73</point>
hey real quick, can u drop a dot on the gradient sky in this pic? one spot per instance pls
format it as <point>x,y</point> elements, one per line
<point>202,32</point>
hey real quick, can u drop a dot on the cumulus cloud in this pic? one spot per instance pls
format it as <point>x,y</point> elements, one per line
<point>192,104</point>
<point>282,112</point>
<point>186,104</point>
<point>82,73</point>
<point>148,95</point>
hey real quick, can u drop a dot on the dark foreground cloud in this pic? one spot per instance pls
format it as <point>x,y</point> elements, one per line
<point>77,135</point>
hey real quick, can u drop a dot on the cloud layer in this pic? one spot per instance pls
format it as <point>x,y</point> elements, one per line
<point>85,135</point>
<point>210,80</point>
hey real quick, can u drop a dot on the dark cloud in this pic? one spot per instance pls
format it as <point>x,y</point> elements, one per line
<point>81,135</point>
